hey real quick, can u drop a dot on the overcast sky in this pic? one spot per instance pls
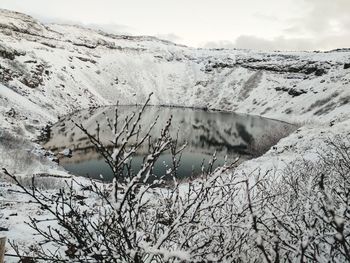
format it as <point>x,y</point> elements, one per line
<point>256,24</point>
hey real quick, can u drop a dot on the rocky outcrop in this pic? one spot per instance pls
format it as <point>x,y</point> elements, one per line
<point>9,53</point>
<point>291,91</point>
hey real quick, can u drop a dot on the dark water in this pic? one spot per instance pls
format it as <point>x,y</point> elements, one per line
<point>229,134</point>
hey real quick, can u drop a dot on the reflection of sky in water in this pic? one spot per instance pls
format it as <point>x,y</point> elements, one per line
<point>190,164</point>
<point>205,132</point>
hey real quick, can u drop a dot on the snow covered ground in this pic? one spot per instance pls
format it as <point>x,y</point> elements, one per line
<point>47,71</point>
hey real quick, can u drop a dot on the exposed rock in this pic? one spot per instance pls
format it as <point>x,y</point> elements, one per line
<point>48,44</point>
<point>294,92</point>
<point>30,61</point>
<point>11,113</point>
<point>320,72</point>
<point>85,44</point>
<point>35,77</point>
<point>31,82</point>
<point>310,70</point>
<point>87,60</point>
<point>9,53</point>
<point>203,83</point>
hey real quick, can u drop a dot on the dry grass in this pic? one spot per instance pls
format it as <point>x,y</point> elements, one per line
<point>40,181</point>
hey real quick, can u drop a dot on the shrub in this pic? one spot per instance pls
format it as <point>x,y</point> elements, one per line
<point>303,214</point>
<point>300,214</point>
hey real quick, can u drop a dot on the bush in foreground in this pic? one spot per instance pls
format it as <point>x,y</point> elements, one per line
<point>299,215</point>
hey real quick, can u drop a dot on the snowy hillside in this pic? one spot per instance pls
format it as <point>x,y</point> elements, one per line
<point>47,71</point>
<point>51,70</point>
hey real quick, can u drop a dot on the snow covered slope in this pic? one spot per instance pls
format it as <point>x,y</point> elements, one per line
<point>48,71</point>
<point>51,70</point>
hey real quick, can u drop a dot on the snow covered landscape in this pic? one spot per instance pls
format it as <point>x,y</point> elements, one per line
<point>48,71</point>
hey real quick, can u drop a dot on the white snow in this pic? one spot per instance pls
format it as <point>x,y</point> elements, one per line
<point>78,68</point>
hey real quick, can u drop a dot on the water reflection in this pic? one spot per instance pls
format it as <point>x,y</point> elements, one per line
<point>228,134</point>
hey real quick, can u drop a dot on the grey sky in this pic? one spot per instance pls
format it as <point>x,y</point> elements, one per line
<point>257,24</point>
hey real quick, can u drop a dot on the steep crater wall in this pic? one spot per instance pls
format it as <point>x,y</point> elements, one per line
<point>61,69</point>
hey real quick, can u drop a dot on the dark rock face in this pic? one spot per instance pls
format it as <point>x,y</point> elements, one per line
<point>310,70</point>
<point>346,65</point>
<point>34,76</point>
<point>296,92</point>
<point>7,75</point>
<point>291,66</point>
<point>291,91</point>
<point>11,113</point>
<point>87,60</point>
<point>9,53</point>
<point>31,82</point>
<point>321,71</point>
<point>313,69</point>
<point>213,65</point>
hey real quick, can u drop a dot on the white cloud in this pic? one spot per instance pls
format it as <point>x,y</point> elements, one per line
<point>268,24</point>
<point>257,43</point>
<point>283,43</point>
<point>325,17</point>
<point>325,25</point>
